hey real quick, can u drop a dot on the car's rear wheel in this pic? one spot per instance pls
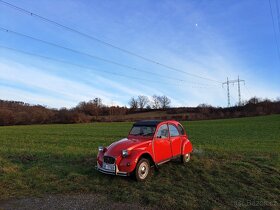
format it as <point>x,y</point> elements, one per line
<point>142,170</point>
<point>185,158</point>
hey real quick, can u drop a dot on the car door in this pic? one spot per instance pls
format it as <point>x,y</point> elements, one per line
<point>175,139</point>
<point>162,146</point>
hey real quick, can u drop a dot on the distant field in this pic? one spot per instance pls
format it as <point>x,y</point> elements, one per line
<point>235,164</point>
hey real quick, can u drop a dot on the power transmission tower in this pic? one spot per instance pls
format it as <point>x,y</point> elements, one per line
<point>238,81</point>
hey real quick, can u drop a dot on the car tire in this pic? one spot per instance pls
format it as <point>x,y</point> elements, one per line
<point>142,170</point>
<point>185,158</point>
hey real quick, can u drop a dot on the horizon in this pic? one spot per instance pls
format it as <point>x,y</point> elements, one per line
<point>210,40</point>
<point>149,104</point>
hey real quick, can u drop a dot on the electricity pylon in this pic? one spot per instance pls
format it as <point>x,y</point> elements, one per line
<point>238,81</point>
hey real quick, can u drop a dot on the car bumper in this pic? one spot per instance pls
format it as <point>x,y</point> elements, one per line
<point>116,172</point>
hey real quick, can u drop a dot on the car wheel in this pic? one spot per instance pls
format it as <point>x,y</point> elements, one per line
<point>142,170</point>
<point>185,158</point>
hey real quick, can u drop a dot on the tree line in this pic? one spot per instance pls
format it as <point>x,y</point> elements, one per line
<point>143,102</point>
<point>20,113</point>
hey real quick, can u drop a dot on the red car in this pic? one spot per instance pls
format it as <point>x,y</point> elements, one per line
<point>149,143</point>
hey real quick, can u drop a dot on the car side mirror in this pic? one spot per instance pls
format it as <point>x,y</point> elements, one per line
<point>159,137</point>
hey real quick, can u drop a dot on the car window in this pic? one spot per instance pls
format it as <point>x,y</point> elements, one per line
<point>181,130</point>
<point>142,130</point>
<point>173,131</point>
<point>162,132</point>
<point>148,131</point>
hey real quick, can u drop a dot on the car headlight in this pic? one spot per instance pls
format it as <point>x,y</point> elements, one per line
<point>124,153</point>
<point>100,148</point>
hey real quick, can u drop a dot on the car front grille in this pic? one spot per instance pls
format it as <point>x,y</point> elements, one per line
<point>109,160</point>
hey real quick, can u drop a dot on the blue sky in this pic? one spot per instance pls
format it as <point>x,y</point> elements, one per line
<point>214,39</point>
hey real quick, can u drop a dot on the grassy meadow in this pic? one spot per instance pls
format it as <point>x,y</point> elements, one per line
<point>235,164</point>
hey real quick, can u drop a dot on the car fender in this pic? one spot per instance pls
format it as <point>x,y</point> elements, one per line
<point>186,147</point>
<point>145,154</point>
<point>100,156</point>
<point>129,163</point>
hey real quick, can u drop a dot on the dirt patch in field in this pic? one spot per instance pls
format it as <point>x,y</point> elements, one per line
<point>24,158</point>
<point>69,202</point>
<point>198,152</point>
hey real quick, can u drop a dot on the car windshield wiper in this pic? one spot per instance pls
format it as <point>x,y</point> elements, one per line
<point>142,134</point>
<point>148,134</point>
<point>136,134</point>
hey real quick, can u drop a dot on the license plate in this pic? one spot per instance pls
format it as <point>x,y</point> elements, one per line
<point>110,167</point>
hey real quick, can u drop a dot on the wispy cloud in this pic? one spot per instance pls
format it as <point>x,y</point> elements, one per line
<point>211,39</point>
<point>16,73</point>
<point>48,87</point>
<point>18,94</point>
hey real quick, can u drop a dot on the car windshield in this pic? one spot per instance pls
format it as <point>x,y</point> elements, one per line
<point>142,130</point>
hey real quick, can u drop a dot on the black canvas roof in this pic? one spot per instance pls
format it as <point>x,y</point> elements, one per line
<point>148,122</point>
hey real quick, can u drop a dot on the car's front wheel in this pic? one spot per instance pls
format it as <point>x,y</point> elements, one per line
<point>185,158</point>
<point>142,170</point>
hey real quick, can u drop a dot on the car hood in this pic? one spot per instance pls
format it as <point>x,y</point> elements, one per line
<point>116,148</point>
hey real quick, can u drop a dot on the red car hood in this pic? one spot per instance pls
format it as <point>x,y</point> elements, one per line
<point>116,148</point>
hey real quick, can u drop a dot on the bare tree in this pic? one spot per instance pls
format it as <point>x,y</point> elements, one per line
<point>133,103</point>
<point>92,107</point>
<point>143,101</point>
<point>156,102</point>
<point>204,105</point>
<point>97,102</point>
<point>254,100</point>
<point>164,102</point>
<point>96,105</point>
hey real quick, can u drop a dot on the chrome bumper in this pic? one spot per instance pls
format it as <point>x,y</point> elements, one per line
<point>116,172</point>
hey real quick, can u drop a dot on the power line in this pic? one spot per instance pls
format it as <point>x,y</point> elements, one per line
<point>274,30</point>
<point>92,56</point>
<point>24,11</point>
<point>92,69</point>
<point>234,99</point>
<point>250,93</point>
<point>79,52</point>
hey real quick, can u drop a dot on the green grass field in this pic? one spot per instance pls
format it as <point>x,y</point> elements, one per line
<point>236,164</point>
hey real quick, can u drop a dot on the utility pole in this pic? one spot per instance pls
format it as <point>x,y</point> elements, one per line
<point>238,81</point>
<point>239,94</point>
<point>228,96</point>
